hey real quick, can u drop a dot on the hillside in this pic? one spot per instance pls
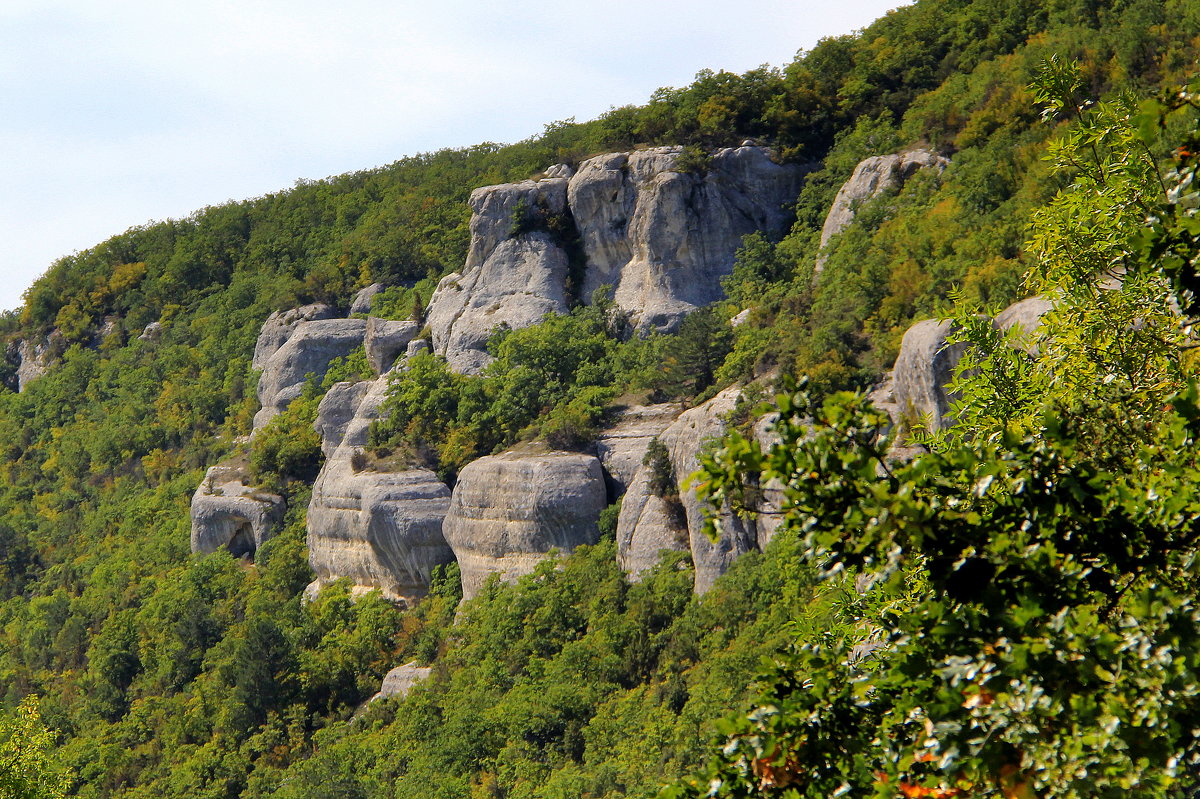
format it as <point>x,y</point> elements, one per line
<point>253,460</point>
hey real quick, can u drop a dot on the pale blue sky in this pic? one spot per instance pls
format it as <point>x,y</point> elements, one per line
<point>114,113</point>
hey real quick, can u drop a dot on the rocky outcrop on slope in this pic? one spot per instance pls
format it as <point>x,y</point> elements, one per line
<point>648,523</point>
<point>927,360</point>
<point>280,325</point>
<point>31,359</point>
<point>509,511</point>
<point>872,177</point>
<point>386,342</point>
<point>622,446</point>
<point>365,298</point>
<point>512,276</point>
<point>380,529</point>
<point>226,512</point>
<point>665,238</point>
<point>662,238</point>
<point>400,680</point>
<point>309,349</point>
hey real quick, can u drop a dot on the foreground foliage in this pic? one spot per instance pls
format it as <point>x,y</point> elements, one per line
<point>1052,649</point>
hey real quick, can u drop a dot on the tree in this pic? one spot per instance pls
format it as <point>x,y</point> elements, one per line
<point>27,767</point>
<point>1041,636</point>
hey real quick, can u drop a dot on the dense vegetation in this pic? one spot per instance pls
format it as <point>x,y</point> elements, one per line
<point>174,675</point>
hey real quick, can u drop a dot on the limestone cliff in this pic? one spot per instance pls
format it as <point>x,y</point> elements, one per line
<point>509,511</point>
<point>661,237</point>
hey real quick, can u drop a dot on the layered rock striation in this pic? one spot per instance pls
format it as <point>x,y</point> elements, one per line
<point>308,349</point>
<point>651,521</point>
<point>509,511</point>
<point>228,513</point>
<point>380,529</point>
<point>662,237</point>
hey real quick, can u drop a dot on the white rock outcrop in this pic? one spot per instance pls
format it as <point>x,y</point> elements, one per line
<point>400,680</point>
<point>648,524</point>
<point>365,298</point>
<point>32,359</point>
<point>280,325</point>
<point>872,177</point>
<point>927,360</point>
<point>509,511</point>
<point>663,238</point>
<point>622,446</point>
<point>512,276</point>
<point>380,529</point>
<point>226,512</point>
<point>309,349</point>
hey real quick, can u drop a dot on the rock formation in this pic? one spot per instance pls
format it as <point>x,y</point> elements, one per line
<point>512,277</point>
<point>280,325</point>
<point>649,523</point>
<point>622,446</point>
<point>364,298</point>
<point>32,359</point>
<point>380,529</point>
<point>228,513</point>
<point>386,341</point>
<point>926,363</point>
<point>309,349</point>
<point>509,511</point>
<point>872,177</point>
<point>400,680</point>
<point>662,238</point>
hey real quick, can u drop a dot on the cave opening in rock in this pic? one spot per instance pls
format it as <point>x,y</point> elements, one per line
<point>242,543</point>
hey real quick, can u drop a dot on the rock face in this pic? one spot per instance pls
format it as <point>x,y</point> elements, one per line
<point>309,349</point>
<point>33,359</point>
<point>510,510</point>
<point>872,177</point>
<point>662,238</point>
<point>382,530</point>
<point>279,328</point>
<point>926,363</point>
<point>228,513</point>
<point>512,277</point>
<point>400,680</point>
<point>363,299</point>
<point>622,446</point>
<point>386,341</point>
<point>648,524</point>
<point>923,372</point>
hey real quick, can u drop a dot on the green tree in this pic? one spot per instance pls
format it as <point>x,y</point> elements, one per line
<point>27,765</point>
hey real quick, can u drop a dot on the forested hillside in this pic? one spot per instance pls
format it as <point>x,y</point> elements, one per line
<point>1051,530</point>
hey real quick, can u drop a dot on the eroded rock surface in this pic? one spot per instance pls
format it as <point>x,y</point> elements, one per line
<point>509,511</point>
<point>400,680</point>
<point>365,298</point>
<point>380,529</point>
<point>33,359</point>
<point>514,275</point>
<point>387,341</point>
<point>280,325</point>
<point>309,349</point>
<point>664,238</point>
<point>622,446</point>
<point>927,360</point>
<point>872,177</point>
<point>226,512</point>
<point>647,524</point>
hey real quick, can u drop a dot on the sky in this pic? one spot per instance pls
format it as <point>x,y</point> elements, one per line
<point>115,113</point>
